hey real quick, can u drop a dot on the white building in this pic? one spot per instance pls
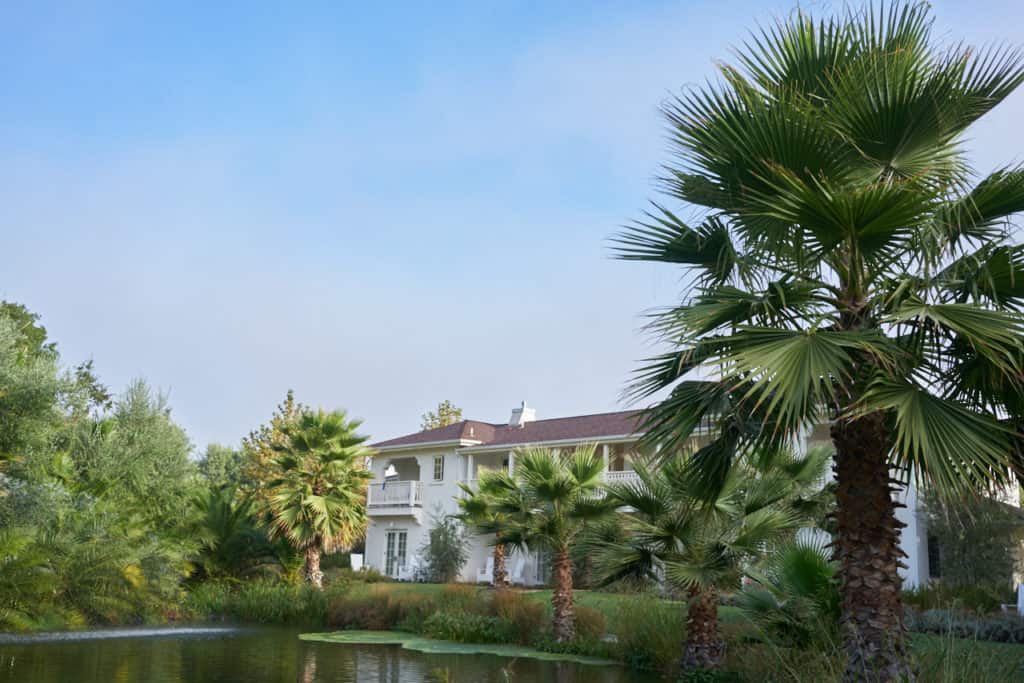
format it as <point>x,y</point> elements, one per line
<point>416,477</point>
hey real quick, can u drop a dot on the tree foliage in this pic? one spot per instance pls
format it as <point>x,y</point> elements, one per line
<point>844,263</point>
<point>446,414</point>
<point>445,550</point>
<point>258,448</point>
<point>979,541</point>
<point>317,498</point>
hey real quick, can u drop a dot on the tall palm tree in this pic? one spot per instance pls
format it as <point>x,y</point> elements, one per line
<point>844,263</point>
<point>669,533</point>
<point>318,498</point>
<point>545,507</point>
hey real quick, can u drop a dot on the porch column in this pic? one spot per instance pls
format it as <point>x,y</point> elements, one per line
<point>511,462</point>
<point>469,467</point>
<point>604,454</point>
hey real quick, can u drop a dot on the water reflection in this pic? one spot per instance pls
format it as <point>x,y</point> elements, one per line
<point>264,656</point>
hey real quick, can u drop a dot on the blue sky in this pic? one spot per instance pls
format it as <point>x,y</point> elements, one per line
<point>379,205</point>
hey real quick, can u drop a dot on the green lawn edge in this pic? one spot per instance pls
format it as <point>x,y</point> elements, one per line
<point>416,643</point>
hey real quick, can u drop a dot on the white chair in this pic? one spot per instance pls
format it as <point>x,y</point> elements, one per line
<point>407,572</point>
<point>486,575</point>
<point>516,575</point>
<point>357,561</point>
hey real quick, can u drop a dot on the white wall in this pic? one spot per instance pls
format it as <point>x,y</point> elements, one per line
<point>441,497</point>
<point>436,497</point>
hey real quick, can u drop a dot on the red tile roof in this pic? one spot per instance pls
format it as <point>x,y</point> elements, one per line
<point>579,427</point>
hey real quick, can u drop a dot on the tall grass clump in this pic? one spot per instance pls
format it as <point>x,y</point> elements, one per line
<point>262,602</point>
<point>648,632</point>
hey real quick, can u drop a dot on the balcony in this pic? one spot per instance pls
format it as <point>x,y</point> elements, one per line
<point>623,477</point>
<point>609,477</point>
<point>394,498</point>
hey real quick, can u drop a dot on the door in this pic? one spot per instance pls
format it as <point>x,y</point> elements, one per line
<point>394,558</point>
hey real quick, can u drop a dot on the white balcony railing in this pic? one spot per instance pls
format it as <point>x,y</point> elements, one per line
<point>609,477</point>
<point>382,494</point>
<point>625,476</point>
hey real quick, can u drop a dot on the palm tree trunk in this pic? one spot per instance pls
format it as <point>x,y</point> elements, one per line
<point>500,572</point>
<point>563,621</point>
<point>867,549</point>
<point>705,646</point>
<point>313,573</point>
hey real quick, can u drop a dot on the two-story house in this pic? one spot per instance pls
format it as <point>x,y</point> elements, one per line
<point>416,478</point>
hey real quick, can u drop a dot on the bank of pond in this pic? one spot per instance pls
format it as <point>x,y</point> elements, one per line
<point>425,632</point>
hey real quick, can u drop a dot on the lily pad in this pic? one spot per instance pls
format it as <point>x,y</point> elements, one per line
<point>409,641</point>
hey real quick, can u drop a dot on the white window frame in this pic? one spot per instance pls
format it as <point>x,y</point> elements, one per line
<point>438,468</point>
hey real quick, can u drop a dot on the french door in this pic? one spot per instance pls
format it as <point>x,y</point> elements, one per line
<point>394,554</point>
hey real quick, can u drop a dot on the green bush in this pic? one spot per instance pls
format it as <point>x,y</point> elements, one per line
<point>379,609</point>
<point>590,623</point>
<point>981,599</point>
<point>264,602</point>
<point>372,611</point>
<point>466,627</point>
<point>649,632</point>
<point>1003,628</point>
<point>444,551</point>
<point>527,617</point>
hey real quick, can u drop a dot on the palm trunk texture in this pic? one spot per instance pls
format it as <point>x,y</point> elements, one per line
<point>564,618</point>
<point>500,572</point>
<point>313,573</point>
<point>867,550</point>
<point>705,647</point>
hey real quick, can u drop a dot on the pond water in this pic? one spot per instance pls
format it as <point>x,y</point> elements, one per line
<point>263,655</point>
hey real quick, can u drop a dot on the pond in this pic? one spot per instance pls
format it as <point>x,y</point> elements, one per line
<point>219,654</point>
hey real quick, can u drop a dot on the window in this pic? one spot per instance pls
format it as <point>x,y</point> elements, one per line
<point>438,467</point>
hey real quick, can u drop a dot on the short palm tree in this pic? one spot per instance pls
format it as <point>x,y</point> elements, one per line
<point>795,601</point>
<point>225,526</point>
<point>845,264</point>
<point>545,507</point>
<point>317,500</point>
<point>479,510</point>
<point>668,532</point>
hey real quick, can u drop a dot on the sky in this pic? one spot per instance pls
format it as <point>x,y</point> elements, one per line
<point>378,205</point>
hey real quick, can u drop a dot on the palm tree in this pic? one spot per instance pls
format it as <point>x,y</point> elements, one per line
<point>795,600</point>
<point>545,507</point>
<point>669,533</point>
<point>225,526</point>
<point>318,498</point>
<point>478,508</point>
<point>844,264</point>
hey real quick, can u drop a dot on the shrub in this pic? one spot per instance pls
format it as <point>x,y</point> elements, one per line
<point>361,576</point>
<point>1005,628</point>
<point>379,609</point>
<point>979,598</point>
<point>371,611</point>
<point>590,623</point>
<point>649,632</point>
<point>976,536</point>
<point>465,627</point>
<point>264,602</point>
<point>797,601</point>
<point>457,597</point>
<point>528,618</point>
<point>444,551</point>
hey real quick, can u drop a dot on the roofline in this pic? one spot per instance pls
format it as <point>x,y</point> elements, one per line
<point>426,444</point>
<point>616,438</point>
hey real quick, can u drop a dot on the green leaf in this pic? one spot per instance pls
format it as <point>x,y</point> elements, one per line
<point>941,441</point>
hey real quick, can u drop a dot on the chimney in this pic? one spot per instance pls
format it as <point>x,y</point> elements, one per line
<point>522,415</point>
